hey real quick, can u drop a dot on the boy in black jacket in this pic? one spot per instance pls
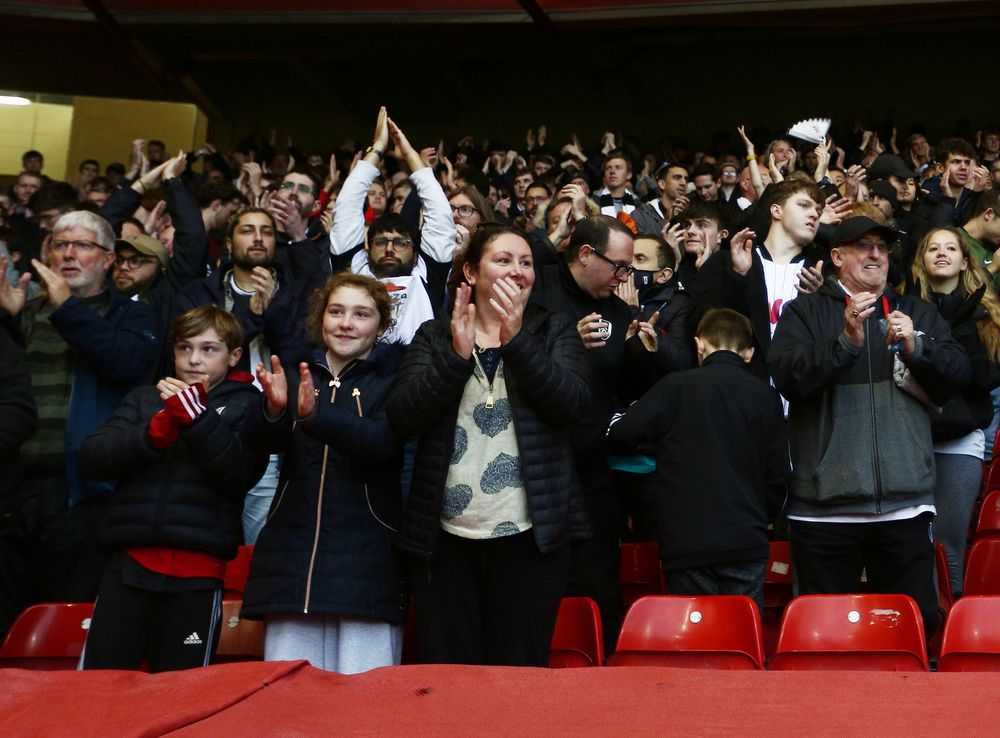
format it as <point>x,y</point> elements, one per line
<point>173,521</point>
<point>722,461</point>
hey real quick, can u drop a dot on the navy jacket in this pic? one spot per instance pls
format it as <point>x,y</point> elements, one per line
<point>327,543</point>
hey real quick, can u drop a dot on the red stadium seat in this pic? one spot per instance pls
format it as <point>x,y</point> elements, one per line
<point>49,636</point>
<point>241,640</point>
<point>982,570</point>
<point>777,593</point>
<point>993,475</point>
<point>237,573</point>
<point>577,640</point>
<point>641,573</point>
<point>988,523</point>
<point>861,632</point>
<point>703,632</point>
<point>971,639</point>
<point>778,577</point>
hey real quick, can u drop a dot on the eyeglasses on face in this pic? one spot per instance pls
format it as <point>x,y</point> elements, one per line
<point>132,262</point>
<point>399,242</point>
<point>303,189</point>
<point>621,270</point>
<point>84,247</point>
<point>466,211</point>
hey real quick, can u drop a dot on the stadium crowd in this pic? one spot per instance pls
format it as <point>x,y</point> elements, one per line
<point>462,375</point>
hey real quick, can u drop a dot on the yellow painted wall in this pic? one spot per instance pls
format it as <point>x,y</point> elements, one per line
<point>104,128</point>
<point>41,126</point>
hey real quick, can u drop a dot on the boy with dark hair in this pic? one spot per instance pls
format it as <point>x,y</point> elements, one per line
<point>759,277</point>
<point>173,522</point>
<point>721,461</point>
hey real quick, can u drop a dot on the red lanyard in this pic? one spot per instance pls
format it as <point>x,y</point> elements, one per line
<point>885,304</point>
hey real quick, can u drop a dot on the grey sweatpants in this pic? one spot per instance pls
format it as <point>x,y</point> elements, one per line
<point>341,643</point>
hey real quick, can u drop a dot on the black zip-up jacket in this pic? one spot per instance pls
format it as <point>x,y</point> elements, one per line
<point>721,460</point>
<point>547,378</point>
<point>327,543</point>
<point>282,323</point>
<point>860,444</point>
<point>188,496</point>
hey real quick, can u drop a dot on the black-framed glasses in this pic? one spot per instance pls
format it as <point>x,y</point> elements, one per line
<point>81,246</point>
<point>466,211</point>
<point>621,270</point>
<point>132,262</point>
<point>399,242</point>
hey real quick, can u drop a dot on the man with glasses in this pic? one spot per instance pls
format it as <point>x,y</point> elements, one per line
<point>581,288</point>
<point>862,368</point>
<point>86,347</point>
<point>414,265</point>
<point>291,205</point>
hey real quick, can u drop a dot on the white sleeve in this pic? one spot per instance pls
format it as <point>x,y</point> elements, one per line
<point>348,229</point>
<point>437,237</point>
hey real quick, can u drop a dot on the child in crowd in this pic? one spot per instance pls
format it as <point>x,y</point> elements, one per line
<point>325,578</point>
<point>721,460</point>
<point>173,522</point>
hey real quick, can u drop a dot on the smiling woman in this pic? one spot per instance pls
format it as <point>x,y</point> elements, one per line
<point>324,576</point>
<point>490,394</point>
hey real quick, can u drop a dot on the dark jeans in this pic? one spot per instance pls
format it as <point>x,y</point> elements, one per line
<point>898,557</point>
<point>48,551</point>
<point>491,602</point>
<point>596,564</point>
<point>173,630</point>
<point>741,578</point>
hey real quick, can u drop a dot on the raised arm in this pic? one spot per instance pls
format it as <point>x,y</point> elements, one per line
<point>348,230</point>
<point>437,237</point>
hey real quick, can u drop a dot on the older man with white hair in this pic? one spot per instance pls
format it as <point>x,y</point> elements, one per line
<point>86,347</point>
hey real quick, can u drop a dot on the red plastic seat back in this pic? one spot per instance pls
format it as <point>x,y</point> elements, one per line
<point>982,571</point>
<point>881,632</point>
<point>971,640</point>
<point>240,640</point>
<point>237,573</point>
<point>988,523</point>
<point>49,636</point>
<point>641,573</point>
<point>721,632</point>
<point>577,640</point>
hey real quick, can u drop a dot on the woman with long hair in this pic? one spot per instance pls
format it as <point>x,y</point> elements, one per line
<point>948,275</point>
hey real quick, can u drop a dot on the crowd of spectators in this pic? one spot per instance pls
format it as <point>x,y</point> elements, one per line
<point>464,374</point>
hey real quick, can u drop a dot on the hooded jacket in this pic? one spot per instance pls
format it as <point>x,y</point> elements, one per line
<point>860,444</point>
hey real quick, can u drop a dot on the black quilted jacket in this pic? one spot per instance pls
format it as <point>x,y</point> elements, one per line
<point>547,377</point>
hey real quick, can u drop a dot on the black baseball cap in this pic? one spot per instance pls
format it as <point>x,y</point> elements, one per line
<point>889,165</point>
<point>852,229</point>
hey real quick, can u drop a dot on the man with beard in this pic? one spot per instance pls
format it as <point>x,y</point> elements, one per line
<point>672,180</point>
<point>270,306</point>
<point>413,265</point>
<point>291,205</point>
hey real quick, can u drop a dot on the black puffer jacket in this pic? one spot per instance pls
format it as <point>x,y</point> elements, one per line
<point>547,377</point>
<point>188,496</point>
<point>327,543</point>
